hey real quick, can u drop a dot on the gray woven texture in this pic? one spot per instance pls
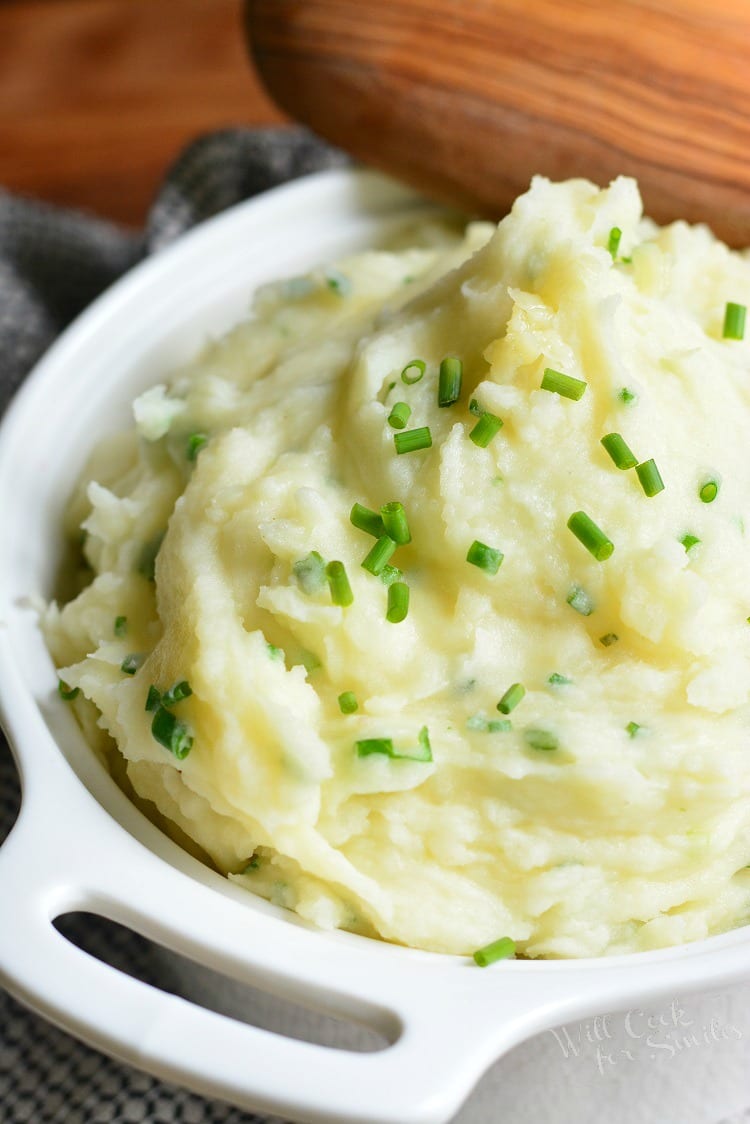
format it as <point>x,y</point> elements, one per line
<point>52,264</point>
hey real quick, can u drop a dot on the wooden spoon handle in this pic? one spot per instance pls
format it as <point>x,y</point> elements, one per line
<point>467,99</point>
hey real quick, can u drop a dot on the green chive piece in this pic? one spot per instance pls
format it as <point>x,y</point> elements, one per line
<point>475,408</point>
<point>498,950</point>
<point>709,491</point>
<point>131,663</point>
<point>121,626</point>
<point>613,243</point>
<point>390,574</point>
<point>147,560</point>
<point>395,523</point>
<point>619,451</point>
<point>734,321</point>
<point>540,739</point>
<point>338,583</point>
<point>489,725</point>
<point>67,693</point>
<point>153,698</point>
<point>412,440</point>
<point>413,371</point>
<point>348,702</point>
<point>310,572</point>
<point>171,733</point>
<point>650,478</point>
<point>399,415</point>
<point>195,443</point>
<point>253,864</point>
<point>274,652</point>
<point>364,519</point>
<point>580,600</point>
<point>398,602</point>
<point>449,380</point>
<point>609,639</point>
<point>309,660</point>
<point>180,691</point>
<point>484,557</point>
<point>589,535</point>
<point>486,428</point>
<point>369,746</point>
<point>632,729</point>
<point>558,680</point>
<point>379,555</point>
<point>511,698</point>
<point>564,385</point>
<point>627,396</point>
<point>338,282</point>
<point>689,541</point>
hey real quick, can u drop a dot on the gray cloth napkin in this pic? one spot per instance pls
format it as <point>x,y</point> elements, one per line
<point>690,1070</point>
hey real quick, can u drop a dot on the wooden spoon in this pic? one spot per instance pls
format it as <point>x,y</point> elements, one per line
<point>467,99</point>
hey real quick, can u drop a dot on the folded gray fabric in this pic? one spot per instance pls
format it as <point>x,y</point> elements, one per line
<point>52,264</point>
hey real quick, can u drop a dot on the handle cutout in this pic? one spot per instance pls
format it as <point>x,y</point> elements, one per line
<point>152,963</point>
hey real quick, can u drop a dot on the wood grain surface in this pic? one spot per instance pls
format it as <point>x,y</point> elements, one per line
<point>468,98</point>
<point>97,97</point>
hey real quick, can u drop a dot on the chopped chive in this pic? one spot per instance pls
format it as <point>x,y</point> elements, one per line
<point>348,702</point>
<point>399,415</point>
<point>147,560</point>
<point>369,746</point>
<point>511,698</point>
<point>390,574</point>
<point>338,282</point>
<point>449,380</point>
<point>310,572</point>
<point>376,559</point>
<point>540,739</point>
<point>608,639</point>
<point>632,729</point>
<point>309,660</point>
<point>121,626</point>
<point>489,725</point>
<point>131,663</point>
<point>195,443</point>
<point>580,600</point>
<point>484,557</point>
<point>412,440</point>
<point>181,690</point>
<point>619,451</point>
<point>274,652</point>
<point>589,535</point>
<point>252,864</point>
<point>689,541</point>
<point>171,733</point>
<point>398,602</point>
<point>475,408</point>
<point>613,243</point>
<point>627,396</point>
<point>558,680</point>
<point>153,698</point>
<point>424,753</point>
<point>564,385</point>
<point>395,523</point>
<point>65,692</point>
<point>413,371</point>
<point>650,477</point>
<point>364,519</point>
<point>734,321</point>
<point>338,583</point>
<point>486,428</point>
<point>709,491</point>
<point>498,950</point>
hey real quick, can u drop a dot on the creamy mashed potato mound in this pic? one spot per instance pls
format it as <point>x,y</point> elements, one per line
<point>609,811</point>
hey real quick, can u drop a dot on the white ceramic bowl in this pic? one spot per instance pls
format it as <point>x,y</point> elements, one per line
<point>445,1020</point>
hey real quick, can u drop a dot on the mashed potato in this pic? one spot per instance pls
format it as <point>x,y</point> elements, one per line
<point>606,806</point>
